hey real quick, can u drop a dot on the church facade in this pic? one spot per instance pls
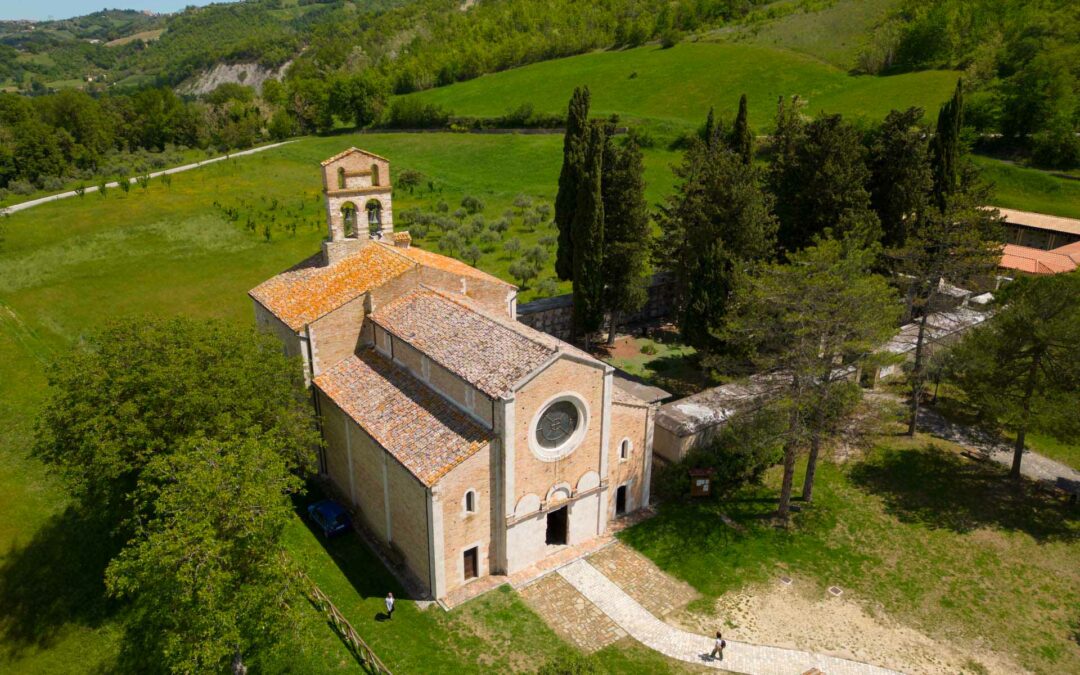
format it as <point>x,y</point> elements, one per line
<point>465,442</point>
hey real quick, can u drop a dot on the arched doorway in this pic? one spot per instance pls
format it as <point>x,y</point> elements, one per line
<point>349,213</point>
<point>374,216</point>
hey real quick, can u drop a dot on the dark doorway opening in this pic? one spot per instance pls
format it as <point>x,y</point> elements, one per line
<point>557,522</point>
<point>620,500</point>
<point>471,563</point>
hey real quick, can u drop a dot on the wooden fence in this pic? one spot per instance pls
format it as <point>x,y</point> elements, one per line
<point>364,654</point>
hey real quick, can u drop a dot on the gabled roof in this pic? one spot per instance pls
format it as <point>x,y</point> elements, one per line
<point>421,429</point>
<point>489,352</point>
<point>1038,261</point>
<point>451,265</point>
<point>476,347</point>
<point>352,150</point>
<point>311,289</point>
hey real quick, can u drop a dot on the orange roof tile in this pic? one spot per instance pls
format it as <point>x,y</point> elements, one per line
<point>422,430</point>
<point>447,264</point>
<point>309,290</point>
<point>1037,261</point>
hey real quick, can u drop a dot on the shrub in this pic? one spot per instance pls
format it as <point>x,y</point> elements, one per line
<point>512,245</point>
<point>548,240</point>
<point>670,38</point>
<point>523,270</point>
<point>547,288</point>
<point>412,113</point>
<point>489,239</point>
<point>641,137</point>
<point>52,183</point>
<point>649,348</point>
<point>442,207</point>
<point>538,255</point>
<point>741,452</point>
<point>20,187</point>
<point>472,254</point>
<point>471,204</point>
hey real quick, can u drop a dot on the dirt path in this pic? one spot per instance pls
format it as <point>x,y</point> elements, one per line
<point>803,616</point>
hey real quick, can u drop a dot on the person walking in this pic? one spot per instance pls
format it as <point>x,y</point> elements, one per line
<point>718,647</point>
<point>390,606</point>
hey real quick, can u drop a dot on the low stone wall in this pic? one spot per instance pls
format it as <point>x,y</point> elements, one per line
<point>553,315</point>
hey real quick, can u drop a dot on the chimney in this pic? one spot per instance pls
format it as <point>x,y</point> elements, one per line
<point>401,239</point>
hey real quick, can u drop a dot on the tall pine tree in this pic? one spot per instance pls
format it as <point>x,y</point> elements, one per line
<point>945,147</point>
<point>741,139</point>
<point>587,236</point>
<point>900,179</point>
<point>626,233</point>
<point>577,119</point>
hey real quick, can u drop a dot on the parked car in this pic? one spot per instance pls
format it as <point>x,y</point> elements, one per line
<point>331,517</point>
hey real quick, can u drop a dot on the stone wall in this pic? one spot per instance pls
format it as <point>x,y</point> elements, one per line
<point>553,315</point>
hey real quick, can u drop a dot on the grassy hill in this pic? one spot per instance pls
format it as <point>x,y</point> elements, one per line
<point>678,85</point>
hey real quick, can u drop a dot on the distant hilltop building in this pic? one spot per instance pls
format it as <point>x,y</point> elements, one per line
<point>468,444</point>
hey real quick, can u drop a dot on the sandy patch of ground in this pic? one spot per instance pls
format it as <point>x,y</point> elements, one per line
<point>804,616</point>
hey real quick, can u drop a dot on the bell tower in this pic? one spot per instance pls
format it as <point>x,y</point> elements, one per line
<point>356,184</point>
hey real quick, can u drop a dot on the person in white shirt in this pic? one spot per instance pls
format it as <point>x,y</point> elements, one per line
<point>390,605</point>
<point>718,647</point>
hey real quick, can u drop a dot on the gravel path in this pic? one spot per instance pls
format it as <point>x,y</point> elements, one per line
<point>22,206</point>
<point>739,657</point>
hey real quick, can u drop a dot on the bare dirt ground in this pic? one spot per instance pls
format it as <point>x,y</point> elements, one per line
<point>804,616</point>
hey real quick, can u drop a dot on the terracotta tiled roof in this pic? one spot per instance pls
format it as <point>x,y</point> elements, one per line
<point>421,429</point>
<point>486,352</point>
<point>304,293</point>
<point>447,264</point>
<point>350,151</point>
<point>1038,261</point>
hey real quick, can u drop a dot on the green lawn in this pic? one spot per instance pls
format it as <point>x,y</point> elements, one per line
<point>677,86</point>
<point>1031,189</point>
<point>941,543</point>
<point>662,360</point>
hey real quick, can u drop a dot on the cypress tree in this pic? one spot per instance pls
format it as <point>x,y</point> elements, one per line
<point>900,180</point>
<point>945,147</point>
<point>626,233</point>
<point>709,131</point>
<point>577,118</point>
<point>742,139</point>
<point>587,236</point>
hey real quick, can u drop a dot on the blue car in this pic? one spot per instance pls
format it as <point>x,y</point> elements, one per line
<point>331,517</point>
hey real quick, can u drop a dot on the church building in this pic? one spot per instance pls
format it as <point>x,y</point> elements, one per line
<point>465,442</point>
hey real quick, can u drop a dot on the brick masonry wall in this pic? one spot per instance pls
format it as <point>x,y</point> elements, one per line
<point>363,485</point>
<point>553,315</point>
<point>532,475</point>
<point>409,518</point>
<point>493,297</point>
<point>462,530</point>
<point>336,335</point>
<point>627,422</point>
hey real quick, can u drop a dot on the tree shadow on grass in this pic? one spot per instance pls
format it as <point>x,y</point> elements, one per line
<point>941,489</point>
<point>56,579</point>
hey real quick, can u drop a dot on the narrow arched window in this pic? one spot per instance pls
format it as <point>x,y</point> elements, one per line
<point>624,449</point>
<point>341,178</point>
<point>470,501</point>
<point>374,174</point>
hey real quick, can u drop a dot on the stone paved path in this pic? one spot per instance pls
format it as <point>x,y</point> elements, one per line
<point>739,657</point>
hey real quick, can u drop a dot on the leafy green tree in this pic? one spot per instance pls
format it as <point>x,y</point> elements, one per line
<point>206,573</point>
<point>523,270</point>
<point>627,235</point>
<point>358,98</point>
<point>900,178</point>
<point>587,230</point>
<point>137,388</point>
<point>961,245</point>
<point>472,254</point>
<point>819,179</point>
<point>741,138</point>
<point>804,320</point>
<point>1019,369</point>
<point>577,119</point>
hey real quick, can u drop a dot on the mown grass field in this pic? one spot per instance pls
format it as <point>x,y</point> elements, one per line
<point>67,266</point>
<point>940,543</point>
<point>677,86</point>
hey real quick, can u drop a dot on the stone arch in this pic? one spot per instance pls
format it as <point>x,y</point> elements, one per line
<point>341,178</point>
<point>560,492</point>
<point>349,217</point>
<point>530,503</point>
<point>374,210</point>
<point>588,481</point>
<point>375,174</point>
